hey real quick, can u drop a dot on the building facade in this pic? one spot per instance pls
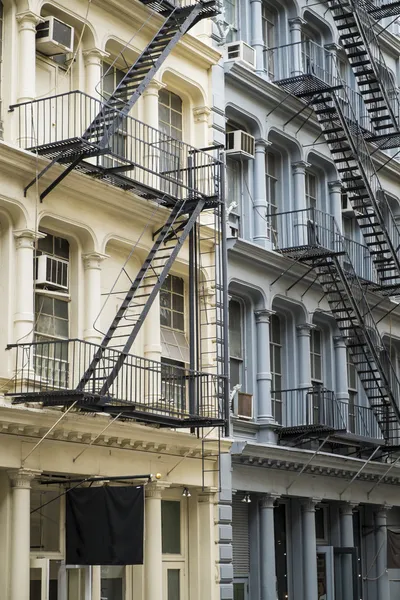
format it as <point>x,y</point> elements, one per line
<point>111,343</point>
<point>306,95</point>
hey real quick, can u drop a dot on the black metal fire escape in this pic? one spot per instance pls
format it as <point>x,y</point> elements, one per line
<point>95,388</point>
<point>346,140</point>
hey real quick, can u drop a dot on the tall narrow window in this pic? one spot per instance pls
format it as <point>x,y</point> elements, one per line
<point>352,387</point>
<point>111,77</point>
<point>231,19</point>
<point>171,124</point>
<point>271,177</point>
<point>276,366</point>
<point>311,190</point>
<point>268,27</point>
<point>235,342</point>
<point>316,356</point>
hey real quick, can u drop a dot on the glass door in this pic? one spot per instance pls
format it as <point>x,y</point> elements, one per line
<point>45,579</point>
<point>346,574</point>
<point>326,585</point>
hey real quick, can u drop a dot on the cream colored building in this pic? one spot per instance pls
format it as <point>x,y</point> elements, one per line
<point>60,256</point>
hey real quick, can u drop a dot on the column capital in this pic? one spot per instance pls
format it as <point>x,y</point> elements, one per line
<point>93,260</point>
<point>382,510</point>
<point>154,87</point>
<point>309,504</point>
<point>296,23</point>
<point>304,329</point>
<point>339,341</point>
<point>332,47</point>
<point>263,315</point>
<point>201,114</point>
<point>94,55</point>
<point>27,19</point>
<point>26,238</point>
<point>207,496</point>
<point>299,167</point>
<point>268,500</point>
<point>347,508</point>
<point>261,145</point>
<point>155,489</point>
<point>21,478</point>
<point>335,186</point>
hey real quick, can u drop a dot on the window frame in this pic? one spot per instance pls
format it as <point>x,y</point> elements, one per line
<point>170,308</point>
<point>240,360</point>
<point>314,355</point>
<point>276,346</point>
<point>352,391</point>
<point>269,26</point>
<point>311,201</point>
<point>272,182</point>
<point>233,26</point>
<point>50,554</point>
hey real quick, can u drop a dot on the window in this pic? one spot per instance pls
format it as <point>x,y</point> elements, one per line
<point>312,54</point>
<point>173,584</point>
<point>173,384</point>
<point>231,19</point>
<point>170,124</point>
<point>352,386</point>
<point>171,526</point>
<point>233,185</point>
<point>112,583</point>
<point>235,343</point>
<point>111,78</point>
<point>311,190</point>
<point>45,521</point>
<point>172,301</point>
<point>268,27</point>
<point>271,177</point>
<point>276,366</point>
<point>170,114</point>
<point>321,522</point>
<point>316,356</point>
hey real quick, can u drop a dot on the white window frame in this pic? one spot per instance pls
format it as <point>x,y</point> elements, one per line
<point>273,348</point>
<point>315,355</point>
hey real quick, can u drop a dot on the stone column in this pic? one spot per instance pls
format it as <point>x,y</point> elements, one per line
<point>93,68</point>
<point>267,548</point>
<point>298,228</point>
<point>295,39</point>
<point>264,409</point>
<point>27,22</point>
<point>309,544</point>
<point>347,541</point>
<point>24,315</point>
<point>299,414</point>
<point>150,102</point>
<point>383,590</point>
<point>341,384</point>
<point>335,201</point>
<point>207,558</point>
<point>92,266</point>
<point>257,40</point>
<point>20,532</point>
<point>260,195</point>
<point>150,136</point>
<point>153,572</point>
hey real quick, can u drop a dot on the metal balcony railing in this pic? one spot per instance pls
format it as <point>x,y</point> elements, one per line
<point>53,369</point>
<point>317,406</point>
<point>308,407</point>
<point>298,230</point>
<point>136,152</point>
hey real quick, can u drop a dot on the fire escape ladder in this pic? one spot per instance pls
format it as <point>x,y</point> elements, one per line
<point>139,298</point>
<point>350,153</point>
<point>350,308</point>
<point>136,79</point>
<point>360,42</point>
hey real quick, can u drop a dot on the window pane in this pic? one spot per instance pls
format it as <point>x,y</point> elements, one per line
<point>176,102</point>
<point>163,97</point>
<point>235,372</point>
<point>171,527</point>
<point>177,285</point>
<point>61,309</point>
<point>235,329</point>
<point>177,303</point>
<point>275,329</point>
<point>165,299</point>
<point>178,321</point>
<point>173,577</point>
<point>45,522</point>
<point>112,583</point>
<point>165,317</point>
<point>238,591</point>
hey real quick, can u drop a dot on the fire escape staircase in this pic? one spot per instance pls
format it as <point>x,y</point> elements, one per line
<point>349,305</point>
<point>357,34</point>
<point>95,140</point>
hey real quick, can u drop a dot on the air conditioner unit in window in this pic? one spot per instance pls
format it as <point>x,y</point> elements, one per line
<point>239,144</point>
<point>242,52</point>
<point>54,37</point>
<point>347,208</point>
<point>52,272</point>
<point>245,405</point>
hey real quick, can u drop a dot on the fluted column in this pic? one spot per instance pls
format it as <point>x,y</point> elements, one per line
<point>257,40</point>
<point>299,224</point>
<point>260,196</point>
<point>24,304</point>
<point>309,544</point>
<point>335,201</point>
<point>92,266</point>
<point>207,557</point>
<point>93,58</point>
<point>347,541</point>
<point>383,590</point>
<point>20,532</point>
<point>264,377</point>
<point>267,547</point>
<point>295,39</point>
<point>153,572</point>
<point>27,22</point>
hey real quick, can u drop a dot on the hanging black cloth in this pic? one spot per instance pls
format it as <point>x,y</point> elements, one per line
<point>393,549</point>
<point>105,525</point>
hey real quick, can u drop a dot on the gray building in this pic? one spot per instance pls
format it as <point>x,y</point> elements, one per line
<point>307,96</point>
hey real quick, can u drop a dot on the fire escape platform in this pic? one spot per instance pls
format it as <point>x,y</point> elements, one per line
<point>305,85</point>
<point>390,9</point>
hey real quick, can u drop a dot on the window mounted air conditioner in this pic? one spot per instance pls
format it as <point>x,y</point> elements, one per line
<point>239,144</point>
<point>242,52</point>
<point>54,37</point>
<point>347,208</point>
<point>52,272</point>
<point>245,405</point>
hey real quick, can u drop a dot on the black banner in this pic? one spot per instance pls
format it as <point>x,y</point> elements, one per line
<point>105,526</point>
